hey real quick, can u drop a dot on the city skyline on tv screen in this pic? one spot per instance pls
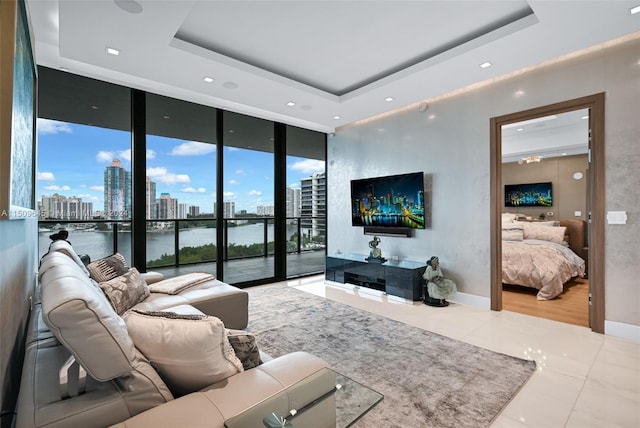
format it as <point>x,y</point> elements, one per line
<point>528,195</point>
<point>391,201</point>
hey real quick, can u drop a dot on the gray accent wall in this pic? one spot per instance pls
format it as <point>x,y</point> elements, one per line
<point>449,141</point>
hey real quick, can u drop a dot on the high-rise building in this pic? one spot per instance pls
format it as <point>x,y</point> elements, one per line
<point>151,199</point>
<point>167,207</point>
<point>58,207</point>
<point>265,210</point>
<point>117,192</point>
<point>194,211</point>
<point>313,194</point>
<point>183,210</point>
<point>293,202</point>
<point>228,209</point>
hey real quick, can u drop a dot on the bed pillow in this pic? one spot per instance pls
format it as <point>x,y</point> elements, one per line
<point>544,233</point>
<point>512,232</point>
<point>508,217</point>
<point>189,352</point>
<point>108,268</point>
<point>125,291</point>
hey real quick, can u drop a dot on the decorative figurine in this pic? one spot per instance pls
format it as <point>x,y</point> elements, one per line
<point>375,255</point>
<point>437,288</point>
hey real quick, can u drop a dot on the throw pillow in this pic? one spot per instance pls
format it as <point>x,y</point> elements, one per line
<point>108,268</point>
<point>125,291</point>
<point>189,352</point>
<point>245,346</point>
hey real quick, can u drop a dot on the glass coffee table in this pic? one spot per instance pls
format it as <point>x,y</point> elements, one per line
<point>352,401</point>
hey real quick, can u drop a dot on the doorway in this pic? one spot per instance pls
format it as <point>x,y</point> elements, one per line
<point>595,195</point>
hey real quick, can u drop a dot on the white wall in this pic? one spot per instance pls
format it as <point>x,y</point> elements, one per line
<point>450,142</point>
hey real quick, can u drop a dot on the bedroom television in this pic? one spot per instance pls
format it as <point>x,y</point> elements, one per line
<point>394,201</point>
<point>528,195</point>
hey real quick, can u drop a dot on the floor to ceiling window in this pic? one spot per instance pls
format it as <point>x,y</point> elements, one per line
<point>180,181</point>
<point>248,197</point>
<point>83,176</point>
<point>215,183</point>
<point>306,201</point>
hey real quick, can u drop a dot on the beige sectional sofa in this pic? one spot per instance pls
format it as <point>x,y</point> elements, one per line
<point>82,367</point>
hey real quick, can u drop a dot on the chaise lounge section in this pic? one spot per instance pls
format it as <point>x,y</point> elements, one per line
<point>82,366</point>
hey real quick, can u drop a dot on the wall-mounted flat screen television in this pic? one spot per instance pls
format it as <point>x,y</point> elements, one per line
<point>391,201</point>
<point>528,195</point>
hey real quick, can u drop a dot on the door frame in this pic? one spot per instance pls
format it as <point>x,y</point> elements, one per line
<point>596,197</point>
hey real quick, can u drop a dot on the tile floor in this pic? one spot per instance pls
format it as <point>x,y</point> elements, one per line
<point>584,379</point>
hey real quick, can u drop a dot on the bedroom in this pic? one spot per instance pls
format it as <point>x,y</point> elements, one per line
<point>551,283</point>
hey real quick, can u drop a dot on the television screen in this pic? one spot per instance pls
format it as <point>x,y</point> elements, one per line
<point>528,195</point>
<point>391,201</point>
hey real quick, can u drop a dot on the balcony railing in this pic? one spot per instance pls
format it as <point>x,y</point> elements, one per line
<point>179,242</point>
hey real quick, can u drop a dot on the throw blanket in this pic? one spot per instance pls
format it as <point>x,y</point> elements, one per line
<point>542,265</point>
<point>180,283</point>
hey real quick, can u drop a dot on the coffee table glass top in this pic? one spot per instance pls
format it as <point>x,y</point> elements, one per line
<point>353,400</point>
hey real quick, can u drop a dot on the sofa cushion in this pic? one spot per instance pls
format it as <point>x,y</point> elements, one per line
<point>188,351</point>
<point>83,320</point>
<point>64,247</point>
<point>246,348</point>
<point>125,291</point>
<point>108,268</point>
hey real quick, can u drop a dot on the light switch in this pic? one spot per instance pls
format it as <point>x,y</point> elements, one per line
<point>617,217</point>
<point>577,213</point>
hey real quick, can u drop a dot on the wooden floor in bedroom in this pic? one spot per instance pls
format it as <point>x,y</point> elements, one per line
<point>572,306</point>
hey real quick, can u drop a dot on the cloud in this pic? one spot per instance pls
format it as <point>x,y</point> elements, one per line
<point>49,127</point>
<point>255,193</point>
<point>160,174</point>
<point>308,166</point>
<point>107,156</point>
<point>46,176</point>
<point>57,188</point>
<point>193,148</point>
<point>97,188</point>
<point>229,195</point>
<point>104,156</point>
<point>234,182</point>
<point>240,172</point>
<point>194,190</point>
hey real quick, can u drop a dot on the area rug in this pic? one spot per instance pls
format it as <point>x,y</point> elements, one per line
<point>427,380</point>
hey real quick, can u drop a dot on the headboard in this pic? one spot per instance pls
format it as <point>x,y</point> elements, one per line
<point>577,235</point>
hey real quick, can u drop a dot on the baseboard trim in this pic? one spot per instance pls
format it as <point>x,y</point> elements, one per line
<point>471,300</point>
<point>625,331</point>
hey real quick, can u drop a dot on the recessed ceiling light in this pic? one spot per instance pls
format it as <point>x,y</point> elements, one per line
<point>584,117</point>
<point>95,107</point>
<point>113,51</point>
<point>166,117</point>
<point>520,129</point>
<point>486,64</point>
<point>208,79</point>
<point>336,117</point>
<point>389,99</point>
<point>130,6</point>
<point>291,103</point>
<point>634,10</point>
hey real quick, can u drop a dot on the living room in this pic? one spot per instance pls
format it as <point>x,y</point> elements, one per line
<point>447,137</point>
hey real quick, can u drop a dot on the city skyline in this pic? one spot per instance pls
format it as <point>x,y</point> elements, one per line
<point>72,159</point>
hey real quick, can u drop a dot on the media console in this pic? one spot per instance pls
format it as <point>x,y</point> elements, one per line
<point>397,278</point>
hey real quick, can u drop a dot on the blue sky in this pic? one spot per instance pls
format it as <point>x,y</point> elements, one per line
<point>72,158</point>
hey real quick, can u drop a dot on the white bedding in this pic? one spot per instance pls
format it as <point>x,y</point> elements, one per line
<point>542,265</point>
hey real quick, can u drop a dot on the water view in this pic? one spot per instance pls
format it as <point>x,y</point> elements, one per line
<point>100,244</point>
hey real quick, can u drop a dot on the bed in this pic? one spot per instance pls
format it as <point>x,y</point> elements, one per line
<point>542,255</point>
